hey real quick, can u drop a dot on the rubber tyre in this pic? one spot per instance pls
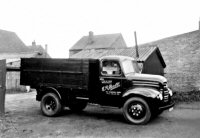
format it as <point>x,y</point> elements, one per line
<point>77,105</point>
<point>144,114</point>
<point>50,104</point>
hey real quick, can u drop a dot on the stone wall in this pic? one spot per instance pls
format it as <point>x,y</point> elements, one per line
<point>183,82</point>
<point>182,57</point>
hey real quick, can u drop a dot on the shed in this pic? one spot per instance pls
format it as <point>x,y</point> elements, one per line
<point>149,58</point>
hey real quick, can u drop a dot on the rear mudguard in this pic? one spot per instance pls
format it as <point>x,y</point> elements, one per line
<point>41,92</point>
<point>146,92</point>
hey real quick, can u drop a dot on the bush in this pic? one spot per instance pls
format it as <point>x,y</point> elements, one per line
<point>191,96</point>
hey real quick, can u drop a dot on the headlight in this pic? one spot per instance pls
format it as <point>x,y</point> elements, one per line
<point>159,96</point>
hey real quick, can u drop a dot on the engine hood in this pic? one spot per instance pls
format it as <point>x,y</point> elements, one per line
<point>147,77</point>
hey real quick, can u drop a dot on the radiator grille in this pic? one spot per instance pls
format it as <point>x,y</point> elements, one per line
<point>165,94</point>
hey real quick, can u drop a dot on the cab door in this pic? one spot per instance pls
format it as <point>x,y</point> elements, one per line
<point>111,82</point>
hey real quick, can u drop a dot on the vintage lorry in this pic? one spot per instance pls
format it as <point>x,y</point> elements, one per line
<point>112,81</point>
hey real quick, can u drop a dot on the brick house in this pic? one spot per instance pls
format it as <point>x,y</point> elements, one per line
<point>41,52</point>
<point>90,42</point>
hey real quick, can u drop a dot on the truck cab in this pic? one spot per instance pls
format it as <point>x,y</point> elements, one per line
<point>123,85</point>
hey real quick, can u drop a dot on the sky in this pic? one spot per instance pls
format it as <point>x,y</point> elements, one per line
<point>61,23</point>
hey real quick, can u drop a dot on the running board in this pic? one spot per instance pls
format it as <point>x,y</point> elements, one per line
<point>103,106</point>
<point>82,98</point>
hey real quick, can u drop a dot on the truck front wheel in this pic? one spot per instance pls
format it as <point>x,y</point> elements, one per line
<point>136,111</point>
<point>50,104</point>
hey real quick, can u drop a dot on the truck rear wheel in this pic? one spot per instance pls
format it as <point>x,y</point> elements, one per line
<point>50,104</point>
<point>77,105</point>
<point>136,111</point>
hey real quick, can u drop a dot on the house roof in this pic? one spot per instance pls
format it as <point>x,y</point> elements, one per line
<point>40,50</point>
<point>11,47</point>
<point>11,43</point>
<point>144,53</point>
<point>99,41</point>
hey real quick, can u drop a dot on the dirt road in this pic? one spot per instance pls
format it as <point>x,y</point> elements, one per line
<point>24,119</point>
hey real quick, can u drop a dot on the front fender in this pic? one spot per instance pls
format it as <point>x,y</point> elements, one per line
<point>147,92</point>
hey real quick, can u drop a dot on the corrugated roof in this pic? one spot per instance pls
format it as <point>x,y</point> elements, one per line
<point>144,53</point>
<point>99,41</point>
<point>11,43</point>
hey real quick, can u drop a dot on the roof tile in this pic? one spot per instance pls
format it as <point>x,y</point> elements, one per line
<point>11,43</point>
<point>100,41</point>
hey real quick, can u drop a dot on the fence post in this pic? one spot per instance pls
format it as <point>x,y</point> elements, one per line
<point>2,86</point>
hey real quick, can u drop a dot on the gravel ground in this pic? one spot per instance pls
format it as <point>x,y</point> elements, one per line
<point>23,118</point>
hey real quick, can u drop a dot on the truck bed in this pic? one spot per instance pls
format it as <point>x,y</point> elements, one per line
<point>66,73</point>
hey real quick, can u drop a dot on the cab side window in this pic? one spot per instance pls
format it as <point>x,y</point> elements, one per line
<point>111,68</point>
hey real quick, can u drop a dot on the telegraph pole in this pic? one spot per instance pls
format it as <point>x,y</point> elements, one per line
<point>136,45</point>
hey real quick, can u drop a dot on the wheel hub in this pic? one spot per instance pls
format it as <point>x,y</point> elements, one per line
<point>50,105</point>
<point>136,111</point>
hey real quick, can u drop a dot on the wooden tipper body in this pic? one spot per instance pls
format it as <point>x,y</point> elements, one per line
<point>65,73</point>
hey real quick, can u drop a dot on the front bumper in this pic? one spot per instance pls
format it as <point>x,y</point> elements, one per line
<point>165,107</point>
<point>167,101</point>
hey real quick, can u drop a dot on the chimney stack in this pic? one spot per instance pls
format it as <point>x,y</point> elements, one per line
<point>34,43</point>
<point>136,46</point>
<point>91,37</point>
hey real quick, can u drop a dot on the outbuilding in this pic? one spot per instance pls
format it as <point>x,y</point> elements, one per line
<point>150,58</point>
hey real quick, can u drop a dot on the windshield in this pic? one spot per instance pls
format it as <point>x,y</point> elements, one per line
<point>130,66</point>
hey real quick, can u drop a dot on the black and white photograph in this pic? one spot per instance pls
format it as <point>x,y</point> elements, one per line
<point>99,69</point>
